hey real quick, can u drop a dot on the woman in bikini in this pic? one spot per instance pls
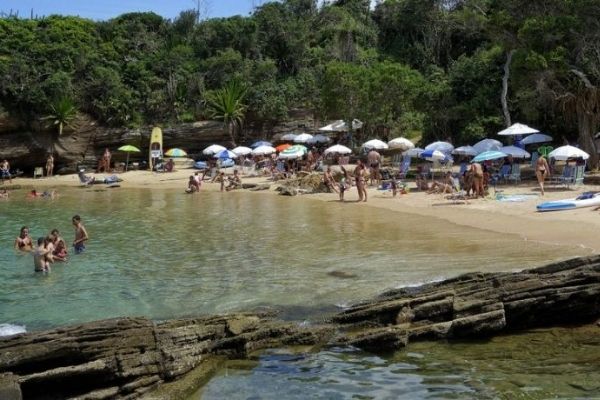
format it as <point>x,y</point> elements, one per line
<point>542,170</point>
<point>359,176</point>
<point>23,242</point>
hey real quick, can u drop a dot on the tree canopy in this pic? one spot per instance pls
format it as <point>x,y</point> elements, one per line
<point>434,68</point>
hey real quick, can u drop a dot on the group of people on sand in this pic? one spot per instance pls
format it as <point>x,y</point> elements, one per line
<point>227,182</point>
<point>347,180</point>
<point>52,247</point>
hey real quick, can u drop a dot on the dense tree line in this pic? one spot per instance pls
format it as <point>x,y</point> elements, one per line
<point>462,69</point>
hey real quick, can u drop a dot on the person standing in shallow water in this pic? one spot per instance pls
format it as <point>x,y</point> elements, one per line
<point>23,242</point>
<point>81,235</point>
<point>359,176</point>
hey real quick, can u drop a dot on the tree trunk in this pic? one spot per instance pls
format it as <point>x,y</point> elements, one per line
<point>587,128</point>
<point>232,134</point>
<point>504,94</point>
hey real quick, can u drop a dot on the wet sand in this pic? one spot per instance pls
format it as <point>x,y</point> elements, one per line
<point>577,227</point>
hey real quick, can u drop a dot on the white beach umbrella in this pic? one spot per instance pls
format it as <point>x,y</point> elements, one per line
<point>432,155</point>
<point>242,150</point>
<point>303,138</point>
<point>515,151</point>
<point>444,147</point>
<point>465,151</point>
<point>375,144</point>
<point>263,150</point>
<point>566,152</point>
<point>289,137</point>
<point>517,129</point>
<point>414,152</point>
<point>213,149</point>
<point>338,149</point>
<point>536,138</point>
<point>401,143</point>
<point>487,145</point>
<point>319,139</point>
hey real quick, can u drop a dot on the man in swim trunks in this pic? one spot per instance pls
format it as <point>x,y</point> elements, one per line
<point>40,261</point>
<point>374,159</point>
<point>81,235</point>
<point>23,241</point>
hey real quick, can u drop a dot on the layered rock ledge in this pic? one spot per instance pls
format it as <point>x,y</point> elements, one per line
<point>129,358</point>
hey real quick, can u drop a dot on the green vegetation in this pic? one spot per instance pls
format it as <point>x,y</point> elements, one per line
<point>435,68</point>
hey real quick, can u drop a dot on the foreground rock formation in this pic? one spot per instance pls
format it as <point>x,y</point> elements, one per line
<point>130,357</point>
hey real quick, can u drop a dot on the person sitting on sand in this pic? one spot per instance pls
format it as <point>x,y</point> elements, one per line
<point>235,182</point>
<point>421,182</point>
<point>328,180</point>
<point>446,186</point>
<point>40,261</point>
<point>23,242</point>
<point>193,185</point>
<point>170,165</point>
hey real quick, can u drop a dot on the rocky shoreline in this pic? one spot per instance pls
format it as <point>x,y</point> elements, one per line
<point>127,358</point>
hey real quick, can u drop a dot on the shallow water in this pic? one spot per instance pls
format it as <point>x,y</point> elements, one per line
<point>559,363</point>
<point>165,254</point>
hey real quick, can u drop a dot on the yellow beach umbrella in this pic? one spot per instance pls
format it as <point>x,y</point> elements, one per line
<point>128,149</point>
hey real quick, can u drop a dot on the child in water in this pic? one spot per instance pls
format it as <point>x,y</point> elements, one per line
<point>40,260</point>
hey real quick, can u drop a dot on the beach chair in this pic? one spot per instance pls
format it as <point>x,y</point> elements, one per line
<point>463,168</point>
<point>566,178</point>
<point>515,173</point>
<point>84,179</point>
<point>501,175</point>
<point>38,172</point>
<point>579,175</point>
<point>534,157</point>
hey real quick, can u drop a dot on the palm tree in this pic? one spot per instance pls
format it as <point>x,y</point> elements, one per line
<point>63,113</point>
<point>227,105</point>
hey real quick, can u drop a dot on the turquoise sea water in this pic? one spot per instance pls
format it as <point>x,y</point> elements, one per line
<point>165,254</point>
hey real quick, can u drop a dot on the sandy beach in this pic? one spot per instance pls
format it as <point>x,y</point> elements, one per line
<point>577,227</point>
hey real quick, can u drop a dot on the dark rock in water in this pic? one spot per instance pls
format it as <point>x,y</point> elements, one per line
<point>257,187</point>
<point>134,357</point>
<point>341,274</point>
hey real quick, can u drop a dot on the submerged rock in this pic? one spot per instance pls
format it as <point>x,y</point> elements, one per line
<point>128,358</point>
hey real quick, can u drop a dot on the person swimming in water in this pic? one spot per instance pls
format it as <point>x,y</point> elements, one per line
<point>81,235</point>
<point>40,260</point>
<point>23,242</point>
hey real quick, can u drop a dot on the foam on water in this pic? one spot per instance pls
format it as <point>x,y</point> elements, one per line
<point>10,329</point>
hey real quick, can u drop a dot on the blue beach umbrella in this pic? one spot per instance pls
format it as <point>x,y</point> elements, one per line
<point>432,155</point>
<point>225,154</point>
<point>260,143</point>
<point>489,155</point>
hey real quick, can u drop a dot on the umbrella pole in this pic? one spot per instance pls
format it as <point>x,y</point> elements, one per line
<point>127,162</point>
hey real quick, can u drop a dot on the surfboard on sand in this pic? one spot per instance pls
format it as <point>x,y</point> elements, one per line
<point>156,147</point>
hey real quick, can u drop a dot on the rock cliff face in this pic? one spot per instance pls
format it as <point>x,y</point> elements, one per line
<point>84,141</point>
<point>129,358</point>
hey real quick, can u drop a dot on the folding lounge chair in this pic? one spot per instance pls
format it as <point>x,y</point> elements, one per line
<point>84,179</point>
<point>515,173</point>
<point>404,167</point>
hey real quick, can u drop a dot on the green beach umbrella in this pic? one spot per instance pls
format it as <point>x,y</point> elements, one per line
<point>128,149</point>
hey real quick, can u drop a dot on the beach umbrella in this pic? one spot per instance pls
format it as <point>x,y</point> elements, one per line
<point>225,154</point>
<point>444,147</point>
<point>375,144</point>
<point>283,147</point>
<point>263,150</point>
<point>489,155</point>
<point>213,149</point>
<point>401,143</point>
<point>242,150</point>
<point>566,152</point>
<point>319,138</point>
<point>303,138</point>
<point>176,153</point>
<point>536,138</point>
<point>293,152</point>
<point>338,149</point>
<point>260,143</point>
<point>289,137</point>
<point>128,149</point>
<point>465,151</point>
<point>432,155</point>
<point>414,152</point>
<point>515,151</point>
<point>487,145</point>
<point>517,129</point>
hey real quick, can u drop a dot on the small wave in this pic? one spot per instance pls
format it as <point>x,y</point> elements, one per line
<point>9,329</point>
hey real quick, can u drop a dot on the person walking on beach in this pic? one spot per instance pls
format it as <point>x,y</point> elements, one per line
<point>81,235</point>
<point>374,159</point>
<point>477,173</point>
<point>542,170</point>
<point>50,165</point>
<point>5,171</point>
<point>23,242</point>
<point>359,176</point>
